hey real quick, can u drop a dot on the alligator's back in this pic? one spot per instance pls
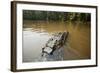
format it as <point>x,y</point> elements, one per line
<point>56,42</point>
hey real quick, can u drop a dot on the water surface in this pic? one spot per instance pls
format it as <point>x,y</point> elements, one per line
<point>37,33</point>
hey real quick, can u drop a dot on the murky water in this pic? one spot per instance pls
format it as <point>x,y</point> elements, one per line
<point>36,34</point>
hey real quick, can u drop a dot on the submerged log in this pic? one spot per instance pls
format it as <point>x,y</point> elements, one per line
<point>55,42</point>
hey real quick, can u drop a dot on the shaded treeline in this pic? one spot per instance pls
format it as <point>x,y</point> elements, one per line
<point>55,16</point>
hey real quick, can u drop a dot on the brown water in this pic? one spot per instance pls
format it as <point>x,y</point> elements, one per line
<point>36,34</point>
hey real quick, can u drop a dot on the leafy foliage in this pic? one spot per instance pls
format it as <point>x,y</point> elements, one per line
<point>55,16</point>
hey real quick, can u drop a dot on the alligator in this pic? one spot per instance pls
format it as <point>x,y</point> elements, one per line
<point>56,42</point>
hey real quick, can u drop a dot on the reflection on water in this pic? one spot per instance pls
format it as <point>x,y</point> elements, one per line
<point>36,34</point>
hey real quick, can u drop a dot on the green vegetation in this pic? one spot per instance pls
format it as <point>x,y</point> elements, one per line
<point>55,16</point>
